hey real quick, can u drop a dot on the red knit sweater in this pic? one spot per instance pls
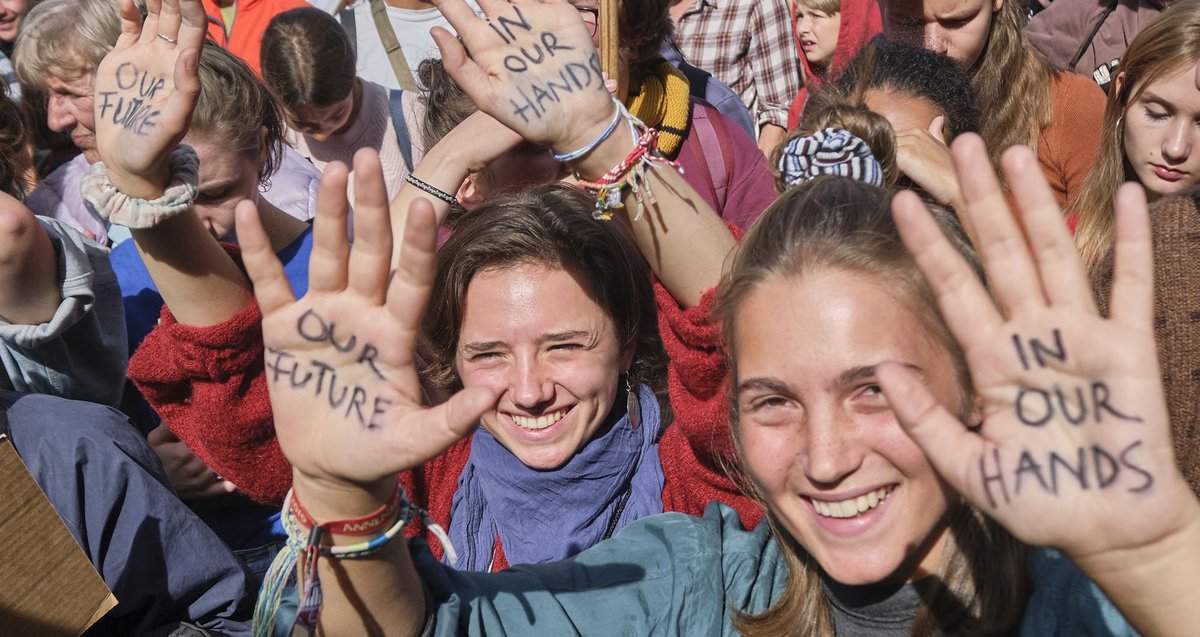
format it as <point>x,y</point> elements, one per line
<point>210,388</point>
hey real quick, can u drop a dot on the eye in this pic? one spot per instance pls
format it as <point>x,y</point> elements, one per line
<point>213,196</point>
<point>767,403</point>
<point>1156,114</point>
<point>870,396</point>
<point>567,347</point>
<point>956,23</point>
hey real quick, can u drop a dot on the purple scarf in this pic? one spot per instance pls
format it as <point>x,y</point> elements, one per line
<point>543,516</point>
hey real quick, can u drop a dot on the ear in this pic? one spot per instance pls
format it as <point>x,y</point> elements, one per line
<point>1118,82</point>
<point>263,152</point>
<point>470,195</point>
<point>997,5</point>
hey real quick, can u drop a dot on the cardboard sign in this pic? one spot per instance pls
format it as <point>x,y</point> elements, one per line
<point>48,586</point>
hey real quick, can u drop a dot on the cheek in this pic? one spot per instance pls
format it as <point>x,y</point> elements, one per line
<point>85,113</point>
<point>769,452</point>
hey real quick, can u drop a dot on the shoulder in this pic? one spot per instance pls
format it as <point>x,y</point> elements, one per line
<point>1066,602</point>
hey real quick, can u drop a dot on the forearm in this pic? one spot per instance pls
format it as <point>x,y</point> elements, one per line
<point>683,239</point>
<point>378,595</point>
<point>441,168</point>
<point>197,279</point>
<point>1155,587</point>
<point>30,289</point>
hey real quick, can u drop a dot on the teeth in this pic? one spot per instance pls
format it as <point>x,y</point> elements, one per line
<point>540,422</point>
<point>852,507</point>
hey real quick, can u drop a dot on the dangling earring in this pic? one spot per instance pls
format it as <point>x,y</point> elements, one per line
<point>632,407</point>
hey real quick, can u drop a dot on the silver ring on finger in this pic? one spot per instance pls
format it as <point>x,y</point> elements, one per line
<point>167,38</point>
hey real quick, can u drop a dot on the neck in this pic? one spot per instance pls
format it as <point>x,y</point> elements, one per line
<point>679,8</point>
<point>281,228</point>
<point>410,4</point>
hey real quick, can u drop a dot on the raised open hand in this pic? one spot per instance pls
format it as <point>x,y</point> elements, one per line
<point>145,91</point>
<point>532,66</point>
<point>1074,449</point>
<point>339,361</point>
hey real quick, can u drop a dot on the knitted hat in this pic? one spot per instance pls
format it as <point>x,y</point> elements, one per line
<point>830,151</point>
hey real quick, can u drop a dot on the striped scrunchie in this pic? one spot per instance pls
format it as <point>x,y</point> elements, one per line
<point>830,151</point>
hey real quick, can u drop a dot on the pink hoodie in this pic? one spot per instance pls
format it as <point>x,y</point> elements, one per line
<point>861,21</point>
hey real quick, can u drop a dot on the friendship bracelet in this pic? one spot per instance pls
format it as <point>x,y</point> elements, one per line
<point>119,208</point>
<point>631,173</point>
<point>366,525</point>
<point>612,126</point>
<point>431,189</point>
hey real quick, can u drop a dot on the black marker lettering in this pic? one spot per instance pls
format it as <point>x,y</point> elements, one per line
<point>367,356</point>
<point>508,24</point>
<point>126,76</point>
<point>381,405</point>
<point>550,41</point>
<point>1028,465</point>
<point>1059,353</point>
<point>989,478</point>
<point>1020,351</point>
<point>1063,405</point>
<point>1102,460</point>
<point>1149,479</point>
<point>537,48</point>
<point>306,324</point>
<point>1100,399</point>
<point>515,64</point>
<point>1024,412</point>
<point>357,399</point>
<point>1079,470</point>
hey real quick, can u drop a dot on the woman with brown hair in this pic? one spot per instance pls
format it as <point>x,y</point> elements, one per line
<point>1022,99</point>
<point>877,448</point>
<point>1150,132</point>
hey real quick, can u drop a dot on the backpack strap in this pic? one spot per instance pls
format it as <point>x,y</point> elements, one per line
<point>395,54</point>
<point>346,17</point>
<point>1087,42</point>
<point>697,79</point>
<point>717,154</point>
<point>403,136</point>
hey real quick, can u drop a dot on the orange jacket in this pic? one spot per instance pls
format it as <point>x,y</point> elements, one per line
<point>244,39</point>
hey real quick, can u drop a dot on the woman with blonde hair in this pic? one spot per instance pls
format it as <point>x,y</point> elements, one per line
<point>1150,132</point>
<point>1022,99</point>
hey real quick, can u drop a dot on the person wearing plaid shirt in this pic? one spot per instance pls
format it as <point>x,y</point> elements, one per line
<point>748,45</point>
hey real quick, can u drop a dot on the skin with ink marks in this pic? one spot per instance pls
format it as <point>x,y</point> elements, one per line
<point>132,113</point>
<point>1086,467</point>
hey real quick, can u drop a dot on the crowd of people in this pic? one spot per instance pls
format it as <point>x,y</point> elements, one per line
<point>790,317</point>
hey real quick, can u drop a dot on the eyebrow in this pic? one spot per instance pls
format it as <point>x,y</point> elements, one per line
<point>1150,96</point>
<point>847,377</point>
<point>218,185</point>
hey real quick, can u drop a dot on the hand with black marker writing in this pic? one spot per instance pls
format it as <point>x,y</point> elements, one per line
<point>344,389</point>
<point>532,66</point>
<point>1074,449</point>
<point>146,89</point>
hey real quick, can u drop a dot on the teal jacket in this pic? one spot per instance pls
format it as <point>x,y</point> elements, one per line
<point>674,574</point>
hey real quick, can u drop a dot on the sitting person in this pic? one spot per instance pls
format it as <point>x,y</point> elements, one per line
<point>308,63</point>
<point>168,571</point>
<point>62,331</point>
<point>62,42</point>
<point>904,474</point>
<point>924,96</point>
<point>1149,134</point>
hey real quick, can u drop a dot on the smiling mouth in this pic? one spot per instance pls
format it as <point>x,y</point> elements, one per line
<point>851,507</point>
<point>539,423</point>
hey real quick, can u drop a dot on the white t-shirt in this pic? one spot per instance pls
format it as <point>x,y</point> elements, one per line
<point>412,31</point>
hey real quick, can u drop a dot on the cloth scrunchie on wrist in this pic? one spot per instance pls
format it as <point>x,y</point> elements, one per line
<point>830,151</point>
<point>119,208</point>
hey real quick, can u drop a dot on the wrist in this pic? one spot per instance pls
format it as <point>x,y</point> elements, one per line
<point>329,501</point>
<point>148,185</point>
<point>607,154</point>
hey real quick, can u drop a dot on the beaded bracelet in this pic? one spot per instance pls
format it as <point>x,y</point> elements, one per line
<point>306,541</point>
<point>612,126</point>
<point>631,173</point>
<point>431,189</point>
<point>119,208</point>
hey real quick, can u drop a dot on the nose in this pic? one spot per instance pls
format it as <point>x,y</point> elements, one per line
<point>59,116</point>
<point>829,448</point>
<point>934,40</point>
<point>803,25</point>
<point>532,388</point>
<point>1178,144</point>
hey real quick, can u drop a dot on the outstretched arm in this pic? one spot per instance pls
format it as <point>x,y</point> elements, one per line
<point>153,72</point>
<point>1058,383</point>
<point>684,241</point>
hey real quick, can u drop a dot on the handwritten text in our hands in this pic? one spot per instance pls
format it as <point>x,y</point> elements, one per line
<point>1094,466</point>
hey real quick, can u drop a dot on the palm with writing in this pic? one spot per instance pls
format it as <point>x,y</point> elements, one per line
<point>1074,449</point>
<point>532,66</point>
<point>145,91</point>
<point>340,365</point>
